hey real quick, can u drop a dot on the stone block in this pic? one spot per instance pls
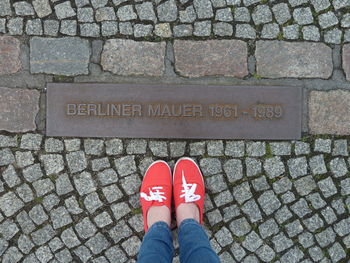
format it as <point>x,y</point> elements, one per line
<point>18,108</point>
<point>280,59</point>
<point>9,55</point>
<point>329,112</point>
<point>346,61</point>
<point>128,57</point>
<point>67,56</point>
<point>211,57</point>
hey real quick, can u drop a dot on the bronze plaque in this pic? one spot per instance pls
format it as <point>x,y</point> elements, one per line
<point>174,111</point>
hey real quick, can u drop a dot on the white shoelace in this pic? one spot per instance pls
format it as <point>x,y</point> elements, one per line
<point>154,196</point>
<point>189,191</point>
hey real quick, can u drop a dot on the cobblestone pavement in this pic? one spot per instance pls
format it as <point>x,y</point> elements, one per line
<point>312,20</point>
<point>76,200</point>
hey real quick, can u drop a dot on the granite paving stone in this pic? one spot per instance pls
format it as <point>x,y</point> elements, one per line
<point>25,193</point>
<point>240,227</point>
<point>281,12</point>
<point>269,202</point>
<point>262,15</point>
<point>38,215</point>
<point>260,184</point>
<point>325,237</point>
<point>223,198</point>
<point>303,16</point>
<point>146,12</point>
<point>224,237</point>
<point>71,51</point>
<point>10,176</point>
<point>73,206</point>
<point>268,228</point>
<point>251,209</point>
<point>284,185</point>
<point>235,148</point>
<point>51,27</point>
<point>216,183</point>
<point>241,14</point>
<point>202,28</point>
<point>313,223</point>
<point>274,167</point>
<point>115,57</point>
<point>190,54</point>
<point>10,204</point>
<point>333,36</point>
<point>233,169</point>
<point>97,243</point>
<point>112,193</point>
<point>23,8</point>
<point>60,217</point>
<point>311,33</point>
<point>294,228</point>
<point>299,59</point>
<point>8,229</point>
<point>340,147</point>
<point>252,241</point>
<point>163,29</point>
<point>15,26</point>
<point>76,161</point>
<point>103,219</point>
<point>63,255</point>
<point>167,11</point>
<point>64,10</point>
<point>283,214</point>
<point>253,167</point>
<point>69,27</point>
<point>43,235</point>
<point>203,9</point>
<point>10,60</point>
<point>316,200</point>
<point>5,8</point>
<point>297,166</point>
<point>53,163</point>
<point>242,193</point>
<point>338,4</point>
<point>245,31</point>
<point>43,186</point>
<point>84,183</point>
<point>301,208</point>
<point>50,201</point>
<point>83,253</point>
<point>183,30</point>
<point>322,107</point>
<point>305,185</point>
<point>291,32</point>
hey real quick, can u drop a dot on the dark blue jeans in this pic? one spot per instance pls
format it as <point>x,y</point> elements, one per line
<point>157,245</point>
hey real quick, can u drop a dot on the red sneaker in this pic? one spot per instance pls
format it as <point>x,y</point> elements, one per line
<point>189,185</point>
<point>156,188</point>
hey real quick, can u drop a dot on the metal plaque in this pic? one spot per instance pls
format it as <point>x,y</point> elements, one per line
<point>174,111</point>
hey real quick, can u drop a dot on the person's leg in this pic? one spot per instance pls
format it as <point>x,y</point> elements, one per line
<point>155,198</point>
<point>189,192</point>
<point>194,244</point>
<point>157,245</point>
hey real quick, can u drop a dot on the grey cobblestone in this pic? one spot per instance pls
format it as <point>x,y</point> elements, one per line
<point>274,201</point>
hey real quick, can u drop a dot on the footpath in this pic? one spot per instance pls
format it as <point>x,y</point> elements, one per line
<point>76,199</point>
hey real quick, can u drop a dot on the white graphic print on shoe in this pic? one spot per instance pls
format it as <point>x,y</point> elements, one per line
<point>154,196</point>
<point>189,191</point>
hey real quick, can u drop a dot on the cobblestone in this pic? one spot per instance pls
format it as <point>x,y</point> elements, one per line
<point>279,203</point>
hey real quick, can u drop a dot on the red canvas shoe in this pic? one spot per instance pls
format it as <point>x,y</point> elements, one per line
<point>189,185</point>
<point>156,188</point>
